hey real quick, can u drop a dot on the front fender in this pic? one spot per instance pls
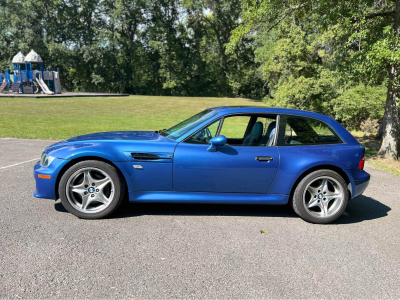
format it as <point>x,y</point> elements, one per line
<point>70,151</point>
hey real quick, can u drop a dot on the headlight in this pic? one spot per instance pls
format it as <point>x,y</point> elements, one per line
<point>46,160</point>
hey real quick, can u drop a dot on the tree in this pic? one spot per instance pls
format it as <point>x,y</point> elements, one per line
<point>365,46</point>
<point>391,121</point>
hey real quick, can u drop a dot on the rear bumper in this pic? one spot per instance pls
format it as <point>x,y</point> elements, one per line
<point>46,188</point>
<point>360,181</point>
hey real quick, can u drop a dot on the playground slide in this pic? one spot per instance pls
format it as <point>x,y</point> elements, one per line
<point>43,86</point>
<point>57,83</point>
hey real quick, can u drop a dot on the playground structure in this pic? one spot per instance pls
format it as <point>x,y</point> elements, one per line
<point>30,77</point>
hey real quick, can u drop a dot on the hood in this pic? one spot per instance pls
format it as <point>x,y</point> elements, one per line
<point>119,136</point>
<point>111,145</point>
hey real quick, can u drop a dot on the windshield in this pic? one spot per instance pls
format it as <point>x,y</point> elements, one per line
<point>184,127</point>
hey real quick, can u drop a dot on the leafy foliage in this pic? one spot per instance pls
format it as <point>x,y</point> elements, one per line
<point>330,56</point>
<point>166,47</point>
<point>358,104</point>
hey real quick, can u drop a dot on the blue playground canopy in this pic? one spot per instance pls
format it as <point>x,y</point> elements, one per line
<point>29,76</point>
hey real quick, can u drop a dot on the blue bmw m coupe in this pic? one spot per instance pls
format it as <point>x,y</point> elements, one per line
<point>243,155</point>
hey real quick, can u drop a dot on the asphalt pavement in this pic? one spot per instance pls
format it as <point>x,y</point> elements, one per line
<point>192,251</point>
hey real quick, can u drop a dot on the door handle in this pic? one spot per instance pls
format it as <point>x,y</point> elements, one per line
<point>264,158</point>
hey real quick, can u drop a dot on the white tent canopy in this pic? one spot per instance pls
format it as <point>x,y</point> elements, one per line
<point>18,59</point>
<point>33,57</point>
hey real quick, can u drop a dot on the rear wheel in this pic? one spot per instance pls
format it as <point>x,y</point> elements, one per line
<point>91,189</point>
<point>321,197</point>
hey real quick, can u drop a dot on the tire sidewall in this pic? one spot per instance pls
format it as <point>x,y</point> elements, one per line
<point>110,170</point>
<point>298,204</point>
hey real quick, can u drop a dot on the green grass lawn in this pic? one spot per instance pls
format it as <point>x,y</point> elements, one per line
<point>61,118</point>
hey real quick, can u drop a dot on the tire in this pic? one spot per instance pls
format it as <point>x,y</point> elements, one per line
<point>91,189</point>
<point>321,197</point>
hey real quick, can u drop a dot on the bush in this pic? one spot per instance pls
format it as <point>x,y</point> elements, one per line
<point>369,126</point>
<point>359,103</point>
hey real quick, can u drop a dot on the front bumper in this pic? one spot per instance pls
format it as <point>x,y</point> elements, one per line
<point>46,188</point>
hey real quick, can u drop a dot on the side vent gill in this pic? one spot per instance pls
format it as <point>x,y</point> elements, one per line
<point>144,156</point>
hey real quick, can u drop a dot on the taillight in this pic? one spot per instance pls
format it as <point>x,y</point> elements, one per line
<point>361,164</point>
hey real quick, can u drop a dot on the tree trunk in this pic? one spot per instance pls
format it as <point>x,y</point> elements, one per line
<point>381,127</point>
<point>390,141</point>
<point>391,118</point>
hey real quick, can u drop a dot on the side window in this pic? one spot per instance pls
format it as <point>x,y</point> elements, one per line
<point>235,127</point>
<point>307,131</point>
<point>205,135</point>
<point>239,131</point>
<point>249,130</point>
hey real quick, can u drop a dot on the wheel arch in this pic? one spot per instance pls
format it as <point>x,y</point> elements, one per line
<point>336,169</point>
<point>84,158</point>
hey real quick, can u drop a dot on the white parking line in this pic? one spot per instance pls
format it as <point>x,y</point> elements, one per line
<point>20,163</point>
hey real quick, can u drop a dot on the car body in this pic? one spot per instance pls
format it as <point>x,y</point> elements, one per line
<point>206,160</point>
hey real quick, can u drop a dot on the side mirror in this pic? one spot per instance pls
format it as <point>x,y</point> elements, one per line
<point>216,142</point>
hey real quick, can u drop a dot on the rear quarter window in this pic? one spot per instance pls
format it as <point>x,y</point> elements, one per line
<point>307,131</point>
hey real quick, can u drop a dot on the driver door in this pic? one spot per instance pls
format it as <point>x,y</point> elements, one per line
<point>233,168</point>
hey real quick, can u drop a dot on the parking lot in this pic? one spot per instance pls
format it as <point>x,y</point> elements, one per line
<point>192,251</point>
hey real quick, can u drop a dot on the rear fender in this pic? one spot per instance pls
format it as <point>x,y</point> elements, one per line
<point>298,160</point>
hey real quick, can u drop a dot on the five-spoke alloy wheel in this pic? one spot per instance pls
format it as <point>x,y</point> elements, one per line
<point>321,197</point>
<point>91,189</point>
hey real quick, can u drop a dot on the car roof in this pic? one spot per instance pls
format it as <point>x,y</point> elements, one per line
<point>272,110</point>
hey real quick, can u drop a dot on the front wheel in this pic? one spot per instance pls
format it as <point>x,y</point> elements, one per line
<point>91,189</point>
<point>321,197</point>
